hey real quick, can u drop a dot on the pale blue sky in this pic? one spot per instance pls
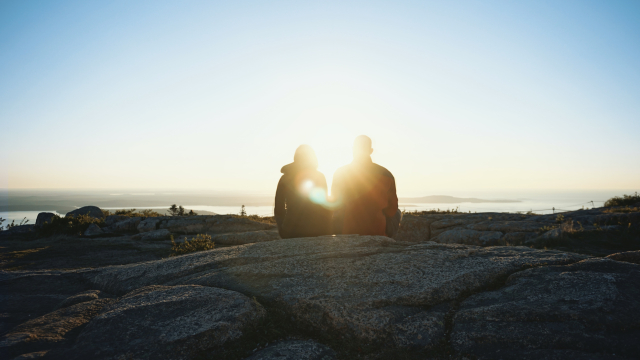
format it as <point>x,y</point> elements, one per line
<point>485,95</point>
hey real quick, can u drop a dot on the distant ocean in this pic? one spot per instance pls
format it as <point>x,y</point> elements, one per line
<point>539,202</point>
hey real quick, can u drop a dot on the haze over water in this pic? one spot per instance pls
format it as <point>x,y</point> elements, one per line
<point>538,202</point>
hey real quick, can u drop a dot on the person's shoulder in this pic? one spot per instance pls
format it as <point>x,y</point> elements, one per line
<point>317,174</point>
<point>382,170</point>
<point>342,169</point>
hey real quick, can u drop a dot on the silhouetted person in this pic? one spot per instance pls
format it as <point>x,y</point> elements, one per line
<point>366,195</point>
<point>301,184</point>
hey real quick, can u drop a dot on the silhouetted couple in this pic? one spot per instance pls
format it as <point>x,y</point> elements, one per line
<point>363,197</point>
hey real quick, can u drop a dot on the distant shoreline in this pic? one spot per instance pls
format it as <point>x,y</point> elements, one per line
<point>446,199</point>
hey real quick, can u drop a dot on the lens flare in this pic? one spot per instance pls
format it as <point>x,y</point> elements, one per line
<point>307,186</point>
<point>315,194</point>
<point>318,196</point>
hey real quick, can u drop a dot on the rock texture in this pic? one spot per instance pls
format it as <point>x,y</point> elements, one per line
<point>49,330</point>
<point>92,211</point>
<point>93,230</point>
<point>246,237</point>
<point>148,224</point>
<point>185,225</point>
<point>295,350</point>
<point>168,322</point>
<point>471,237</point>
<point>162,234</point>
<point>30,294</point>
<point>490,229</point>
<point>44,217</point>
<point>587,307</point>
<point>215,224</point>
<point>368,296</point>
<point>79,298</point>
<point>130,224</point>
<point>368,287</point>
<point>20,231</point>
<point>628,256</point>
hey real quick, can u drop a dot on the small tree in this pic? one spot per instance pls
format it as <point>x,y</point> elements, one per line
<point>243,212</point>
<point>1,221</point>
<point>176,210</point>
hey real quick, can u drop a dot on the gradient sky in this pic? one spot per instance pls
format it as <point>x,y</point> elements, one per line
<point>486,95</point>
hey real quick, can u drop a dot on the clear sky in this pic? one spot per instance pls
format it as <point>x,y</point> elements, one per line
<point>473,95</point>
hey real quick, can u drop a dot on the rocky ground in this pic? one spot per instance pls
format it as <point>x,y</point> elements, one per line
<point>474,286</point>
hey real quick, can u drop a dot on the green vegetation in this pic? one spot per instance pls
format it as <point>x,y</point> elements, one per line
<point>72,225</point>
<point>133,213</point>
<point>199,243</point>
<point>175,210</point>
<point>625,200</point>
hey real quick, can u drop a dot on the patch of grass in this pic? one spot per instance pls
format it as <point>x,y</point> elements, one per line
<point>200,242</point>
<point>72,225</point>
<point>625,200</point>
<point>626,209</point>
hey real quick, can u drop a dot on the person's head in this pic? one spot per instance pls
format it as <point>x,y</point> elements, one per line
<point>362,148</point>
<point>305,157</point>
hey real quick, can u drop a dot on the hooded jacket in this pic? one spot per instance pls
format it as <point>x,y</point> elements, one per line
<point>296,213</point>
<point>366,194</point>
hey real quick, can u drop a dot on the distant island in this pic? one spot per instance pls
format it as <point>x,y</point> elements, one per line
<point>445,199</point>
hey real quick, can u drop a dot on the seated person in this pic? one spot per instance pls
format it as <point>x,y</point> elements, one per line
<point>299,212</point>
<point>365,194</point>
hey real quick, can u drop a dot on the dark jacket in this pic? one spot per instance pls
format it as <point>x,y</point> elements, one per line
<point>295,212</point>
<point>366,194</point>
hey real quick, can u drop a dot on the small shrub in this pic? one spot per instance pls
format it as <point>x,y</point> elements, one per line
<point>546,228</point>
<point>625,200</point>
<point>13,223</point>
<point>133,213</point>
<point>626,209</point>
<point>243,212</point>
<point>199,243</point>
<point>559,218</point>
<point>1,221</point>
<point>72,225</point>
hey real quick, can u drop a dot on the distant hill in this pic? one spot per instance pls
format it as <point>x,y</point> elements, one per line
<point>445,199</point>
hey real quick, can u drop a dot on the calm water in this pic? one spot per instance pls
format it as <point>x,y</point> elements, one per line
<point>541,205</point>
